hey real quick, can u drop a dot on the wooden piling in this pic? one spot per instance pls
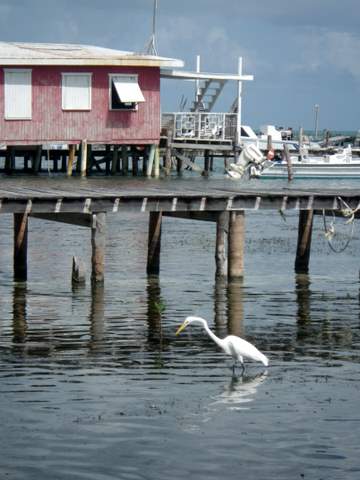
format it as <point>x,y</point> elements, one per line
<point>288,162</point>
<point>150,160</point>
<point>9,160</point>
<point>98,244</point>
<point>124,159</point>
<point>37,159</point>
<point>78,271</point>
<point>20,246</point>
<point>304,241</point>
<point>72,149</point>
<point>236,240</point>
<point>154,243</point>
<point>135,161</point>
<point>168,153</point>
<point>206,163</point>
<point>157,162</point>
<point>222,228</point>
<point>84,149</point>
<point>115,159</point>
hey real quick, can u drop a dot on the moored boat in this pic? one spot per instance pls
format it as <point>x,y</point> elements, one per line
<point>338,165</point>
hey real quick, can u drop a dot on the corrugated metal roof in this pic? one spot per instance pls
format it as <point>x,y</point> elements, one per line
<point>72,54</point>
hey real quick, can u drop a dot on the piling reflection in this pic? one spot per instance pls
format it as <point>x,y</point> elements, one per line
<point>220,307</point>
<point>97,316</point>
<point>235,301</point>
<point>19,313</point>
<point>155,308</point>
<point>228,307</point>
<point>303,296</point>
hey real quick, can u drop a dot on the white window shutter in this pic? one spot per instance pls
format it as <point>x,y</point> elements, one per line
<point>17,93</point>
<point>76,91</point>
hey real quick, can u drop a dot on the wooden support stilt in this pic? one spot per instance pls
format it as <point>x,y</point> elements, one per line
<point>63,157</point>
<point>84,156</point>
<point>115,159</point>
<point>179,164</point>
<point>72,149</point>
<point>304,241</point>
<point>288,162</point>
<point>20,246</point>
<point>26,162</point>
<point>157,163</point>
<point>78,158</point>
<point>89,159</point>
<point>145,160</point>
<point>98,244</point>
<point>168,153</point>
<point>124,159</point>
<point>206,163</point>
<point>150,160</point>
<point>9,160</point>
<point>236,245</point>
<point>222,228</point>
<point>211,163</point>
<point>154,243</point>
<point>135,160</point>
<point>37,159</point>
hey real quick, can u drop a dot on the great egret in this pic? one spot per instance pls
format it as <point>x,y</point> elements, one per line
<point>236,347</point>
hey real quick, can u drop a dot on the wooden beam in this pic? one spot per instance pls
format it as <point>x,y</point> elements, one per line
<point>154,243</point>
<point>202,216</point>
<point>79,219</point>
<point>20,246</point>
<point>98,244</point>
<point>304,241</point>
<point>236,245</point>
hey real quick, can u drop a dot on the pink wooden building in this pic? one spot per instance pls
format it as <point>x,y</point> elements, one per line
<point>53,93</point>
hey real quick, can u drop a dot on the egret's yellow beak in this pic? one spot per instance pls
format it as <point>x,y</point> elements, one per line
<point>180,329</point>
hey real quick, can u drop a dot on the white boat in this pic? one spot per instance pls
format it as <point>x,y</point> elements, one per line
<point>338,165</point>
<point>279,138</point>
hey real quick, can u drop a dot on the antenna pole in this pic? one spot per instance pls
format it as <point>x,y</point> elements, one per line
<point>151,47</point>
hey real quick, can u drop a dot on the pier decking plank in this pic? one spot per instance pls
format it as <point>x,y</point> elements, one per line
<point>48,195</point>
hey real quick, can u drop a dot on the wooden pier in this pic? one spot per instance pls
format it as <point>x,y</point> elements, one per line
<point>86,202</point>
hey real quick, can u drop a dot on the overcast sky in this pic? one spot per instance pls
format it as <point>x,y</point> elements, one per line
<point>301,52</point>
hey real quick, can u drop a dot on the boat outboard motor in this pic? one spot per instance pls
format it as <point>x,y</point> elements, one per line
<point>250,155</point>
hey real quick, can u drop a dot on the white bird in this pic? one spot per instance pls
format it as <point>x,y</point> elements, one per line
<point>236,347</point>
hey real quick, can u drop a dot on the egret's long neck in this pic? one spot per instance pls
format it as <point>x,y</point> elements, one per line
<point>212,335</point>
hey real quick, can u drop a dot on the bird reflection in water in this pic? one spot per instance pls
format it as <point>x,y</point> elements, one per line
<point>241,391</point>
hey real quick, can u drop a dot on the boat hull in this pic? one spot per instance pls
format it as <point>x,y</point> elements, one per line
<point>307,170</point>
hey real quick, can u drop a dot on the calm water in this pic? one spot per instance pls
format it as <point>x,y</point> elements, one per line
<point>95,384</point>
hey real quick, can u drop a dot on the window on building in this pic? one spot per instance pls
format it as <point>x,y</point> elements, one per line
<point>125,92</point>
<point>76,91</point>
<point>17,93</point>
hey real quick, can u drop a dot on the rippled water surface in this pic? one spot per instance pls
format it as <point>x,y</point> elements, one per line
<point>95,384</point>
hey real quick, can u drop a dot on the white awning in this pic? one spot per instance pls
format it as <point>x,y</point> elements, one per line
<point>128,89</point>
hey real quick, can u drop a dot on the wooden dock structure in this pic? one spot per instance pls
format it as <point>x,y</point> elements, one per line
<point>86,202</point>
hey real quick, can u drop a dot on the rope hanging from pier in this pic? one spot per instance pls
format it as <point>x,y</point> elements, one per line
<point>329,230</point>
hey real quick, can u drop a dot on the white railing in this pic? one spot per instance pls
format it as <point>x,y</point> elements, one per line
<point>200,125</point>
